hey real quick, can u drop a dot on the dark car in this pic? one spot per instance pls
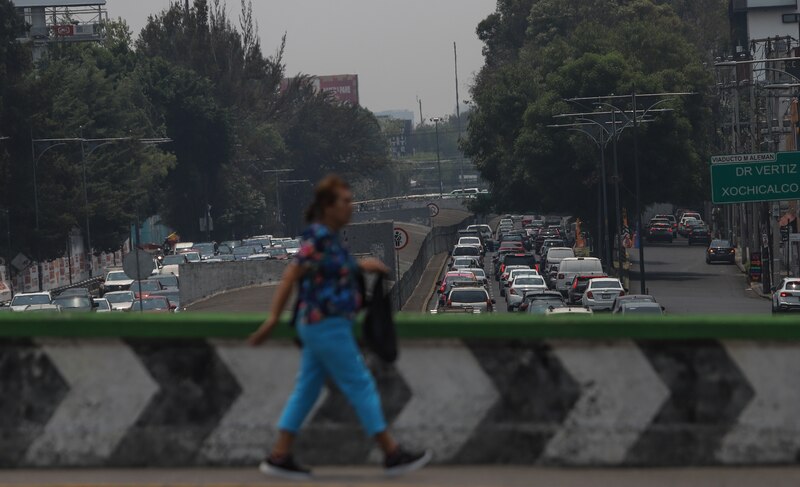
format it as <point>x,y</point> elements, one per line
<point>578,287</point>
<point>74,303</point>
<point>76,291</point>
<point>699,234</point>
<point>146,288</point>
<point>540,302</point>
<point>660,232</point>
<point>721,251</point>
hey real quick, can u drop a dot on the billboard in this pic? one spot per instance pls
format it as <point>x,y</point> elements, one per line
<point>57,3</point>
<point>343,86</point>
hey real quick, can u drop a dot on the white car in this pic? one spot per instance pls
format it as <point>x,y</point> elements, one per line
<point>519,286</point>
<point>292,246</point>
<point>172,264</point>
<point>786,297</point>
<point>474,298</point>
<point>601,293</point>
<point>479,274</point>
<point>506,276</point>
<point>572,266</point>
<point>23,300</point>
<point>101,305</point>
<point>115,281</point>
<point>120,300</point>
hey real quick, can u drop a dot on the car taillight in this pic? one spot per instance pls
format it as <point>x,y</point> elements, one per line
<point>575,285</point>
<point>785,295</point>
<point>561,276</point>
<point>449,302</point>
<point>513,291</point>
<point>622,293</point>
<point>590,295</point>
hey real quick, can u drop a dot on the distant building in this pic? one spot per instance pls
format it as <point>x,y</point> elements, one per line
<point>397,133</point>
<point>396,114</point>
<point>343,86</point>
<point>61,21</point>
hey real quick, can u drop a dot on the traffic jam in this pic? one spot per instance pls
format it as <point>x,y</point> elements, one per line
<point>532,264</point>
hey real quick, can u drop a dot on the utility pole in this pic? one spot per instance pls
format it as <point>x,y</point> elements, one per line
<point>458,121</point>
<point>421,120</point>
<point>436,121</point>
<point>642,283</point>
<point>617,209</point>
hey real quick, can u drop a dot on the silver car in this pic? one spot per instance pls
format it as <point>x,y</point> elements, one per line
<point>601,293</point>
<point>786,297</point>
<point>475,298</point>
<point>519,286</point>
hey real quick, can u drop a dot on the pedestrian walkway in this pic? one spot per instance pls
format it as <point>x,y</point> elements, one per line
<point>484,476</point>
<point>418,301</point>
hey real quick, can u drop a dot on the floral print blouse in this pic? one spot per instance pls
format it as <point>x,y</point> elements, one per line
<point>328,287</point>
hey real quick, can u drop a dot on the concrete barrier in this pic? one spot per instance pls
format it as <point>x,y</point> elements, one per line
<point>201,280</point>
<point>420,216</point>
<point>186,391</point>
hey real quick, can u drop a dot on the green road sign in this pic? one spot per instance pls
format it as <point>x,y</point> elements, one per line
<point>746,178</point>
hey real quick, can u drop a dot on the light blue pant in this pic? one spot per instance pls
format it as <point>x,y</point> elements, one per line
<point>330,350</point>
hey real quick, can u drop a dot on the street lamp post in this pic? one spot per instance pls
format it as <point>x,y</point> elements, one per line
<point>294,181</point>
<point>436,121</point>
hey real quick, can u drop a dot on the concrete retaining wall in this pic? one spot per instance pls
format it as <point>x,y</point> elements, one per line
<point>206,279</point>
<point>420,216</point>
<point>186,402</point>
<point>375,239</point>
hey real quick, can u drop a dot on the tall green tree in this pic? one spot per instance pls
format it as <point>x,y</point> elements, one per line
<point>541,52</point>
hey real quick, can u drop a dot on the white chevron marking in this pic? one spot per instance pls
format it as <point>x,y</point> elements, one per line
<point>450,395</point>
<point>109,389</point>
<point>620,395</point>
<point>265,375</point>
<point>768,430</point>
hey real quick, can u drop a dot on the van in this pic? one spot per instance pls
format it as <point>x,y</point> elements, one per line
<point>570,267</point>
<point>553,258</point>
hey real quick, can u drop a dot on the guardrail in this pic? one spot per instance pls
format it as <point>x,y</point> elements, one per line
<point>512,389</point>
<point>409,326</point>
<point>92,284</point>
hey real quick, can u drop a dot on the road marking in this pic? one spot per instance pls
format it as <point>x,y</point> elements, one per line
<point>450,395</point>
<point>621,394</point>
<point>768,430</point>
<point>109,389</point>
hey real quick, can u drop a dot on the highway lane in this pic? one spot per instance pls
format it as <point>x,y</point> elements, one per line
<point>679,278</point>
<point>494,288</point>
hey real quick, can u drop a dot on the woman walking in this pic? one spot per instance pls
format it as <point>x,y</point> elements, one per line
<point>328,299</point>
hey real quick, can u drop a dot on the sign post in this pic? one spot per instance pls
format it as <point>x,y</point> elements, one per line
<point>400,242</point>
<point>749,178</point>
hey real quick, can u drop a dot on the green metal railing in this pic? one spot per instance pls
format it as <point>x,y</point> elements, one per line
<point>409,326</point>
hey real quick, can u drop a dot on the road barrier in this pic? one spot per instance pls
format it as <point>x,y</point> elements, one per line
<point>184,390</point>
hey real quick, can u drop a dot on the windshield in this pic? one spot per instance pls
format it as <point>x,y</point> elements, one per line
<point>192,256</point>
<point>560,254</point>
<point>27,300</point>
<point>244,250</point>
<point>468,296</point>
<point>526,260</point>
<point>73,302</point>
<point>102,304</point>
<point>152,285</point>
<point>529,281</point>
<point>174,260</point>
<point>171,281</point>
<point>119,298</point>
<point>596,284</point>
<point>117,276</point>
<point>291,244</point>
<point>466,251</point>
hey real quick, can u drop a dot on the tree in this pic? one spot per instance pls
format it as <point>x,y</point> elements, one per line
<point>571,48</point>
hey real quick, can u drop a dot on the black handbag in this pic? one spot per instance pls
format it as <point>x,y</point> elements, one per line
<point>379,331</point>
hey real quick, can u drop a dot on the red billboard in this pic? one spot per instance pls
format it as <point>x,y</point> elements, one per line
<point>343,86</point>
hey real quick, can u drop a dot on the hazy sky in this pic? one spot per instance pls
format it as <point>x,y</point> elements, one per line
<point>399,49</point>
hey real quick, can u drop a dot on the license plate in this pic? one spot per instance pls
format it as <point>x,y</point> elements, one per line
<point>606,296</point>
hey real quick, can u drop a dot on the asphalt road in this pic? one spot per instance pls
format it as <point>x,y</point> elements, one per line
<point>679,278</point>
<point>462,476</point>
